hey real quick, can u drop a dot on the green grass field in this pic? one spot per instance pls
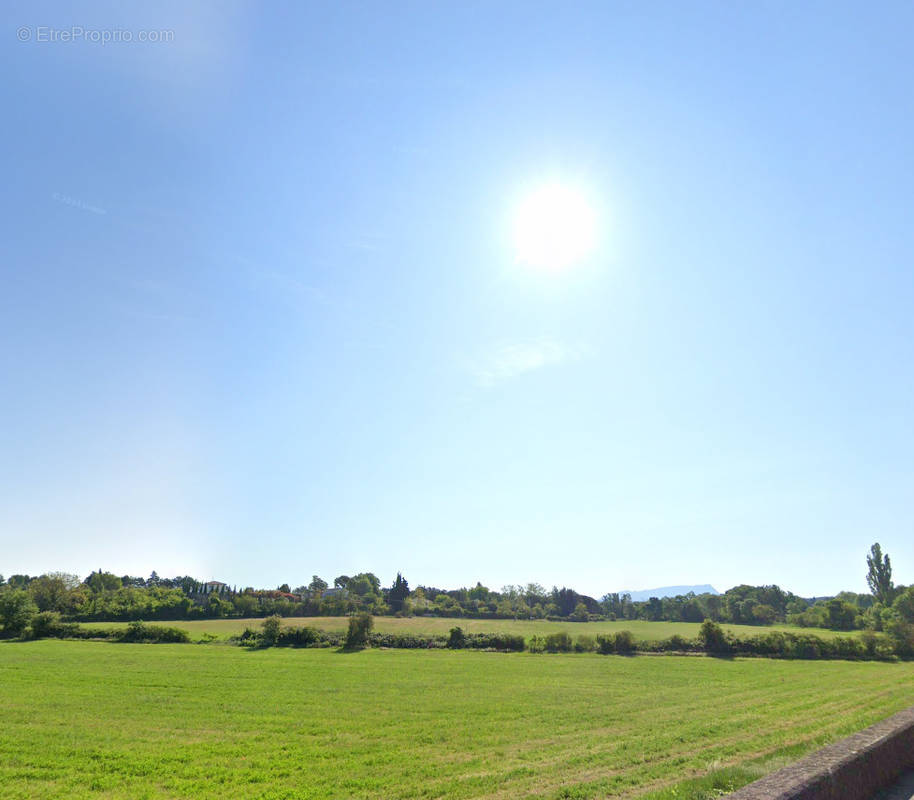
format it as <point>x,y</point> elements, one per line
<point>94,719</point>
<point>645,631</point>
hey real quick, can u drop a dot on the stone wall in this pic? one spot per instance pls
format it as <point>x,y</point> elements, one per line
<point>852,769</point>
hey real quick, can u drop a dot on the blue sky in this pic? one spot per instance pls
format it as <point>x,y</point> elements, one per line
<point>261,314</point>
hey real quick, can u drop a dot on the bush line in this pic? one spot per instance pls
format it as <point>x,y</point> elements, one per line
<point>712,640</point>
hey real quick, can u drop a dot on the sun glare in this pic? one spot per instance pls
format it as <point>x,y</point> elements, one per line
<point>554,228</point>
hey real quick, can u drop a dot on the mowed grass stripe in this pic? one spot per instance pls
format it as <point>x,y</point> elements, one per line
<point>88,719</point>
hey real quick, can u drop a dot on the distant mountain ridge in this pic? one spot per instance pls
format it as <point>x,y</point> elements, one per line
<point>670,591</point>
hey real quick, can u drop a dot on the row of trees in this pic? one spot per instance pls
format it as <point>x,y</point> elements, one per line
<point>105,596</point>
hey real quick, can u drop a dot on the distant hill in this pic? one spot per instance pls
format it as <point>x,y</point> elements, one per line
<point>670,591</point>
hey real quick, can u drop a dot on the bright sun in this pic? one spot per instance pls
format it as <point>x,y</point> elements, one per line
<point>554,228</point>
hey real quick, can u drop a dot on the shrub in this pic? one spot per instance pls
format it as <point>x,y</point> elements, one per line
<point>885,649</point>
<point>677,643</point>
<point>457,638</point>
<point>288,637</point>
<point>271,626</point>
<point>138,631</point>
<point>495,641</point>
<point>868,641</point>
<point>537,644</point>
<point>112,634</point>
<point>585,644</point>
<point>298,637</point>
<point>558,642</point>
<point>507,641</point>
<point>773,644</point>
<point>360,626</point>
<point>249,637</point>
<point>580,613</point>
<point>809,647</point>
<point>49,623</point>
<point>802,645</point>
<point>847,647</point>
<point>624,642</point>
<point>408,641</point>
<point>712,637</point>
<point>902,636</point>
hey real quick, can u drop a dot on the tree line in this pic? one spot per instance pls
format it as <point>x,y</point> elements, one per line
<point>103,596</point>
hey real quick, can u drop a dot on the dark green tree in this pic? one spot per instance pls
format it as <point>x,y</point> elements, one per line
<point>566,600</point>
<point>478,592</point>
<point>398,593</point>
<point>879,575</point>
<point>373,581</point>
<point>50,592</point>
<point>840,616</point>
<point>456,638</point>
<point>904,605</point>
<point>103,582</point>
<point>217,607</point>
<point>654,609</point>
<point>712,637</point>
<point>361,586</point>
<point>16,611</point>
<point>360,626</point>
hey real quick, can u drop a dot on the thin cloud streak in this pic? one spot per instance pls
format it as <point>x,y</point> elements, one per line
<point>509,360</point>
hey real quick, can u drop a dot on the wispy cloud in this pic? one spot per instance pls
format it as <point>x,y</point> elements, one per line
<point>282,284</point>
<point>292,286</point>
<point>368,242</point>
<point>508,360</point>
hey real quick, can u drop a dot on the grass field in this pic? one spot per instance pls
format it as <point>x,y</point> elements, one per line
<point>92,719</point>
<point>645,631</point>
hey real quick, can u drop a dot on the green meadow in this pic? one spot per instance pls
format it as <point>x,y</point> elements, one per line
<point>94,719</point>
<point>642,630</point>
